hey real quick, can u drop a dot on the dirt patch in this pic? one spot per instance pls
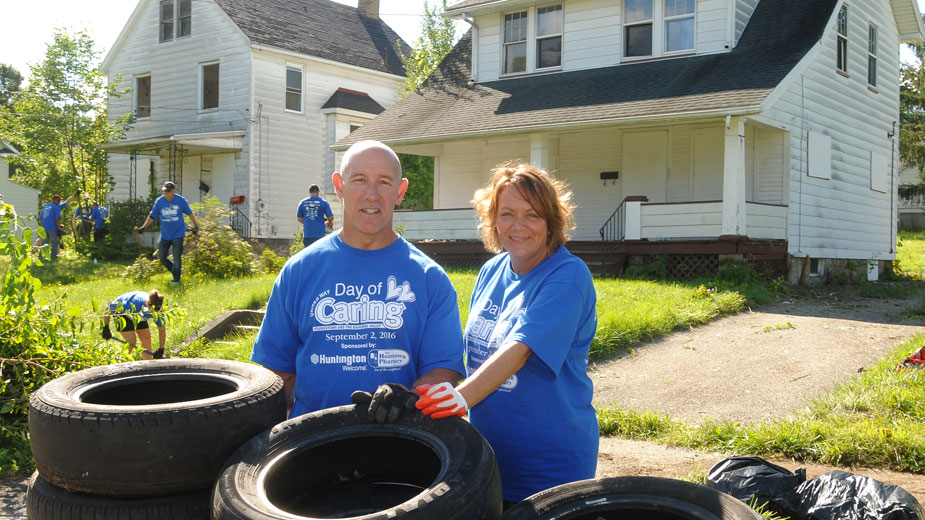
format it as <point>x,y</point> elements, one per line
<point>756,365</point>
<point>750,367</point>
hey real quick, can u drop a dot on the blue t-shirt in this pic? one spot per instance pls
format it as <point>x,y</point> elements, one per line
<point>50,213</point>
<point>97,215</point>
<point>313,211</point>
<point>171,214</point>
<point>344,319</point>
<point>540,422</point>
<point>134,302</point>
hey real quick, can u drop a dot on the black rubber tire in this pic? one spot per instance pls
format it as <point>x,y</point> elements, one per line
<point>47,502</point>
<point>652,498</point>
<point>149,428</point>
<point>335,463</point>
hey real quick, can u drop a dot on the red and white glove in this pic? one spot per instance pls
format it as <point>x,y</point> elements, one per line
<point>441,400</point>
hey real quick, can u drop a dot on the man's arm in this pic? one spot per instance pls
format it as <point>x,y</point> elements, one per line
<point>288,386</point>
<point>438,375</point>
<point>301,220</point>
<point>192,218</point>
<point>161,335</point>
<point>148,220</point>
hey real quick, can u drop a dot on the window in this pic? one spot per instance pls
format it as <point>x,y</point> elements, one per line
<point>143,96</point>
<point>656,27</point>
<point>176,19</point>
<point>354,127</point>
<point>549,37</point>
<point>294,88</point>
<point>872,55</point>
<point>841,54</point>
<point>209,75</point>
<point>166,20</point>
<point>515,42</point>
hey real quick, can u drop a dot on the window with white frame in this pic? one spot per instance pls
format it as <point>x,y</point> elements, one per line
<point>841,50</point>
<point>872,55</point>
<point>294,88</point>
<point>209,85</point>
<point>658,27</point>
<point>515,42</point>
<point>143,96</point>
<point>549,36</point>
<point>176,18</point>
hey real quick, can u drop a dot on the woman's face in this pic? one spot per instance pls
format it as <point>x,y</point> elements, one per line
<point>521,230</point>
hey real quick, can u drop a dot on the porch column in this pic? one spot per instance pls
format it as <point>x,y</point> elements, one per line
<point>734,178</point>
<point>539,151</point>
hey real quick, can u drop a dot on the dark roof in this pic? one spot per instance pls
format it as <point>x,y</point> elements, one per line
<point>353,100</point>
<point>320,28</point>
<point>776,38</point>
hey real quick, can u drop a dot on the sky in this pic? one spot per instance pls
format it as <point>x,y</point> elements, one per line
<point>29,24</point>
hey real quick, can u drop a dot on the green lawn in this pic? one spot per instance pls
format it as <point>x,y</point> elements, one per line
<point>911,253</point>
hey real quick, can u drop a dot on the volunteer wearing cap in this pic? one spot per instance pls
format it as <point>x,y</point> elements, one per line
<point>50,219</point>
<point>314,214</point>
<point>531,322</point>
<point>169,208</point>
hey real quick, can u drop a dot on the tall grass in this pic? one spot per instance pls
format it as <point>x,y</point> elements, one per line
<point>874,420</point>
<point>910,252</point>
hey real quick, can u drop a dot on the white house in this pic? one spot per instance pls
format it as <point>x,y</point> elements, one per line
<point>763,129</point>
<point>23,198</point>
<point>242,99</point>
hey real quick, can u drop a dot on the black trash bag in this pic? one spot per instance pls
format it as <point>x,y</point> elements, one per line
<point>845,496</point>
<point>754,480</point>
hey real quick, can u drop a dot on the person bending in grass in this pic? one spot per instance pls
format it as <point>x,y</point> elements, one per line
<point>132,311</point>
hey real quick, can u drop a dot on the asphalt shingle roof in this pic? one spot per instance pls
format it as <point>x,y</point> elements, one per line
<point>353,100</point>
<point>776,38</point>
<point>320,28</point>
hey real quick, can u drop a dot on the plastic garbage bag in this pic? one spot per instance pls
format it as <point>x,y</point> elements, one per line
<point>845,496</point>
<point>753,479</point>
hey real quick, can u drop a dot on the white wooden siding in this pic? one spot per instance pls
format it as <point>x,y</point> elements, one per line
<point>764,221</point>
<point>744,10</point>
<point>680,168</point>
<point>692,220</point>
<point>582,158</point>
<point>23,198</point>
<point>712,26</point>
<point>768,165</point>
<point>293,144</point>
<point>590,35</point>
<point>452,224</point>
<point>842,217</point>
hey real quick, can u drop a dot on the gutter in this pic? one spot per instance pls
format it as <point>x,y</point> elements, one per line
<point>387,75</point>
<point>719,113</point>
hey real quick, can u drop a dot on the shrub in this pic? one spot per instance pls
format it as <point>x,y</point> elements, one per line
<point>142,269</point>
<point>217,251</point>
<point>271,262</point>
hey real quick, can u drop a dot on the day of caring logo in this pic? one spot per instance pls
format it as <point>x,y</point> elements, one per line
<point>365,311</point>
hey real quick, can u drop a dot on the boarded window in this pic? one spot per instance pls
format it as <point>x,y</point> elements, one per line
<point>294,88</point>
<point>143,96</point>
<point>820,156</point>
<point>879,172</point>
<point>210,86</point>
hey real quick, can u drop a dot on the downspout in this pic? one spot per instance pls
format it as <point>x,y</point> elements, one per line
<point>893,222</point>
<point>475,48</point>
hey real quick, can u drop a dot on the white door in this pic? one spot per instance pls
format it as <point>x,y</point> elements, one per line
<point>645,164</point>
<point>708,164</point>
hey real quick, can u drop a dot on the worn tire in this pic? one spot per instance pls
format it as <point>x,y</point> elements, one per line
<point>630,497</point>
<point>47,502</point>
<point>335,463</point>
<point>149,428</point>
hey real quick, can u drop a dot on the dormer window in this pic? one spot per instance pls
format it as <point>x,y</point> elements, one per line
<point>175,19</point>
<point>658,27</point>
<point>515,42</point>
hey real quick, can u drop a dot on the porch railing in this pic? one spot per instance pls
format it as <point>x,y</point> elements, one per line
<point>614,229</point>
<point>240,223</point>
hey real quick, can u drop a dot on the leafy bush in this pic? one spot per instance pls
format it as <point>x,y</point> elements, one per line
<point>217,251</point>
<point>270,262</point>
<point>37,343</point>
<point>142,269</point>
<point>296,244</point>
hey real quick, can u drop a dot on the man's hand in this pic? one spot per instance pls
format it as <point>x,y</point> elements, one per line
<point>139,230</point>
<point>329,223</point>
<point>387,403</point>
<point>194,230</point>
<point>442,400</point>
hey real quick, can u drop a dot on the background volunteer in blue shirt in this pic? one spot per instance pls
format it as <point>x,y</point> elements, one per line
<point>361,309</point>
<point>50,220</point>
<point>132,311</point>
<point>98,214</point>
<point>314,214</point>
<point>169,208</point>
<point>531,322</point>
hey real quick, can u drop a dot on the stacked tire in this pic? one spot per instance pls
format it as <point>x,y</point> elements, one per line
<point>144,439</point>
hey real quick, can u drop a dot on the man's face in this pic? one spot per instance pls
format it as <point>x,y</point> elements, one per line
<point>168,194</point>
<point>370,186</point>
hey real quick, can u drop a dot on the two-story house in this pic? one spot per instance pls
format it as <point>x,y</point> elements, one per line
<point>764,130</point>
<point>23,198</point>
<point>242,100</point>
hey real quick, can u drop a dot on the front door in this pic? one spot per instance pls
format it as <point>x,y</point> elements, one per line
<point>645,164</point>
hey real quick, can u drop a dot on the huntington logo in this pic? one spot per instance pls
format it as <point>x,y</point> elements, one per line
<point>351,359</point>
<point>388,358</point>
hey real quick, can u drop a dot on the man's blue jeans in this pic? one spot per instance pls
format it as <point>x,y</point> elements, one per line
<point>54,241</point>
<point>163,247</point>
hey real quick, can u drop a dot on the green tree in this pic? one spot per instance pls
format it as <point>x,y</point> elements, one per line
<point>438,35</point>
<point>419,170</point>
<point>59,121</point>
<point>10,83</point>
<point>912,110</point>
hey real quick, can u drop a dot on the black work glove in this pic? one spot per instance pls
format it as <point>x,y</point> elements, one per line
<point>195,230</point>
<point>139,230</point>
<point>60,233</point>
<point>106,333</point>
<point>387,403</point>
